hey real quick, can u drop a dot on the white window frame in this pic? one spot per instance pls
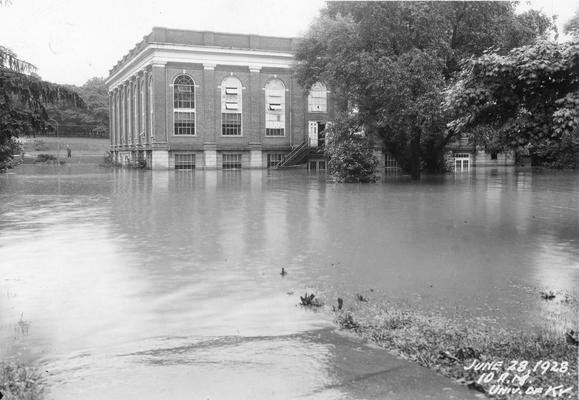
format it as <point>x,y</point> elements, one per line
<point>225,159</point>
<point>185,110</point>
<point>270,159</point>
<point>183,164</point>
<point>318,98</point>
<point>461,158</point>
<point>275,107</point>
<point>232,104</point>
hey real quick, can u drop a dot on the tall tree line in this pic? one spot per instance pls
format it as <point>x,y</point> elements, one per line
<point>393,62</point>
<point>23,97</point>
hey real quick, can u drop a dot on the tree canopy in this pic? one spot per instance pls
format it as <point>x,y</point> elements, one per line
<point>572,26</point>
<point>392,61</point>
<point>351,157</point>
<point>23,97</point>
<point>93,119</point>
<point>526,100</point>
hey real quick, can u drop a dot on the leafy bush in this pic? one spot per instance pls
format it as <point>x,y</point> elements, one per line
<point>20,382</point>
<point>44,158</point>
<point>350,152</point>
<point>7,149</point>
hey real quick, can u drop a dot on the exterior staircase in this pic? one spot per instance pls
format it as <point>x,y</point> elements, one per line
<point>295,157</point>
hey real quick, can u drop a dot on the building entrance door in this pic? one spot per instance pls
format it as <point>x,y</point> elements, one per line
<point>461,162</point>
<point>316,133</point>
<point>313,133</point>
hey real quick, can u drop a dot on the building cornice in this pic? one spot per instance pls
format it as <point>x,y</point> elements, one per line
<point>159,53</point>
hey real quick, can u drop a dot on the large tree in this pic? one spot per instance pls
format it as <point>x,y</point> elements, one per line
<point>93,119</point>
<point>572,26</point>
<point>393,60</point>
<point>23,97</point>
<point>526,100</point>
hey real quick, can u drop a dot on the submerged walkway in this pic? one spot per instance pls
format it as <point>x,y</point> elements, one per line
<point>369,372</point>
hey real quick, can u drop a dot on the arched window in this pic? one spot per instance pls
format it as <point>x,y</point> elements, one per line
<point>184,105</point>
<point>318,98</point>
<point>231,106</point>
<point>275,108</point>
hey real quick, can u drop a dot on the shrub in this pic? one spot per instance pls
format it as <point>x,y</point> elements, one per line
<point>44,158</point>
<point>350,152</point>
<point>20,382</point>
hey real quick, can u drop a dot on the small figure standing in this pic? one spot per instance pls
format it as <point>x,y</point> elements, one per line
<point>68,151</point>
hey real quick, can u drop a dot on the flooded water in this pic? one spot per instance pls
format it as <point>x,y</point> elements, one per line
<point>140,284</point>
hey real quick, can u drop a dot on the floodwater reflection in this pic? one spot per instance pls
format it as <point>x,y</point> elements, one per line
<point>164,284</point>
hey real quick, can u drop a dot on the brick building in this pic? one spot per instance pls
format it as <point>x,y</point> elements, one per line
<point>190,99</point>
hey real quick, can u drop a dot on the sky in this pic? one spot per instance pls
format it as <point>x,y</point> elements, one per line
<point>71,41</point>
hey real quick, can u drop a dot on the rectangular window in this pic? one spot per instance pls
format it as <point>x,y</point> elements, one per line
<point>274,125</point>
<point>231,91</point>
<point>317,102</point>
<point>184,123</point>
<point>231,161</point>
<point>274,132</point>
<point>275,112</point>
<point>231,124</point>
<point>184,161</point>
<point>391,162</point>
<point>273,159</point>
<point>231,106</point>
<point>184,97</point>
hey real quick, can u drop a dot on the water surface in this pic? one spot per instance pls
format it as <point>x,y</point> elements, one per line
<point>166,285</point>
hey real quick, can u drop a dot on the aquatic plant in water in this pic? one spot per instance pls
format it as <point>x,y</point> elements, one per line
<point>20,382</point>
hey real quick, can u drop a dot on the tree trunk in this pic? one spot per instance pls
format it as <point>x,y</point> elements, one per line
<point>415,157</point>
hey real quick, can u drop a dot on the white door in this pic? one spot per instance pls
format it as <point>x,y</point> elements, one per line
<point>313,133</point>
<point>461,162</point>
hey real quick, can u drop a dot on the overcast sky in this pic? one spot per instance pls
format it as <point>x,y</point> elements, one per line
<point>71,41</point>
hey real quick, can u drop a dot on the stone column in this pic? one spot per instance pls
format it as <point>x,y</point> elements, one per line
<point>255,132</point>
<point>145,108</point>
<point>208,126</point>
<point>129,97</point>
<point>125,114</point>
<point>159,103</point>
<point>256,96</point>
<point>146,111</point>
<point>111,119</point>
<point>122,114</point>
<point>133,112</point>
<point>118,117</point>
<point>160,153</point>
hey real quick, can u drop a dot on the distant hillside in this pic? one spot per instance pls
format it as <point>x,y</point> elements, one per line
<point>90,122</point>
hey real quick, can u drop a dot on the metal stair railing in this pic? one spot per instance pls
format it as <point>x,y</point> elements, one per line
<point>296,154</point>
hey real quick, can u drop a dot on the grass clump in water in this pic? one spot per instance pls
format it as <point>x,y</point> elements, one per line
<point>449,346</point>
<point>20,382</point>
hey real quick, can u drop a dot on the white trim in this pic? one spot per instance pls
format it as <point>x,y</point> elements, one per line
<point>184,110</point>
<point>160,54</point>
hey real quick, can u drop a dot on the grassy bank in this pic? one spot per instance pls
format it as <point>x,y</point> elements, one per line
<point>450,346</point>
<point>53,145</point>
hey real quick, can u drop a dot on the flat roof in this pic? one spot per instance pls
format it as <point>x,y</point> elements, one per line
<point>209,39</point>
